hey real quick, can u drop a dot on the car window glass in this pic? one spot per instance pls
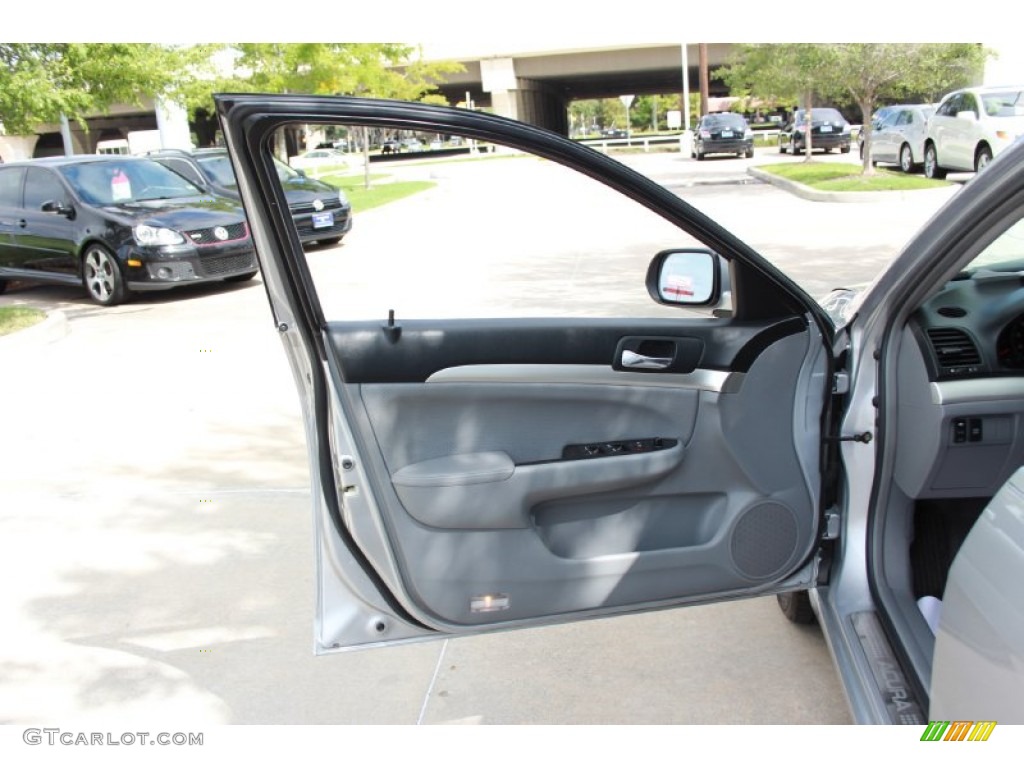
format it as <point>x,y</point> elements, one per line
<point>969,103</point>
<point>493,233</point>
<point>1005,253</point>
<point>285,172</point>
<point>123,181</point>
<point>182,167</point>
<point>949,108</point>
<point>1004,104</point>
<point>41,186</point>
<point>824,114</point>
<point>218,168</point>
<point>725,121</point>
<point>10,187</point>
<point>906,117</point>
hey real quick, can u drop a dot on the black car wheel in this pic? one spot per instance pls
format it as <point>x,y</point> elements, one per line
<point>3,286</point>
<point>906,159</point>
<point>931,164</point>
<point>796,606</point>
<point>844,150</point>
<point>749,152</point>
<point>982,158</point>
<point>782,147</point>
<point>102,277</point>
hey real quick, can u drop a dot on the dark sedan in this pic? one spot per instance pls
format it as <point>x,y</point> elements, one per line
<point>115,225</point>
<point>724,133</point>
<point>321,212</point>
<point>829,130</point>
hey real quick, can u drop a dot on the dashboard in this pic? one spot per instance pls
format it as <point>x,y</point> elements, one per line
<point>960,379</point>
<point>974,327</point>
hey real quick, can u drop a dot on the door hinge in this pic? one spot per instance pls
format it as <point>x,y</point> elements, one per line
<point>831,529</point>
<point>840,383</point>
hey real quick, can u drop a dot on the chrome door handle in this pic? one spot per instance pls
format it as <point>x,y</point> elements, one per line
<point>633,360</point>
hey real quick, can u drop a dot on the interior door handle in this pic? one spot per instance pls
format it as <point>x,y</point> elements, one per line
<point>633,360</point>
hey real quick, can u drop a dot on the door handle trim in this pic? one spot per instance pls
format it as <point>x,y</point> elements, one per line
<point>633,360</point>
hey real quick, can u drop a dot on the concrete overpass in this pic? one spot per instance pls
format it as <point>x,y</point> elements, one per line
<point>538,86</point>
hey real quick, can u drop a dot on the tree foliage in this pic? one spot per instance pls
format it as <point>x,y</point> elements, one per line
<point>867,73</point>
<point>382,70</point>
<point>41,81</point>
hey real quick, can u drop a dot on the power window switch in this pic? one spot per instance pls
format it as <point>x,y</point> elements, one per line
<point>959,430</point>
<point>974,434</point>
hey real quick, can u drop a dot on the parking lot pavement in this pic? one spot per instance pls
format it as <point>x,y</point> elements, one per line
<point>155,533</point>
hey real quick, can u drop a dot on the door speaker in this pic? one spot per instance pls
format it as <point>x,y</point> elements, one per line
<point>763,540</point>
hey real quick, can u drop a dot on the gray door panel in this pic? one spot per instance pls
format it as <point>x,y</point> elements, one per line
<point>488,524</point>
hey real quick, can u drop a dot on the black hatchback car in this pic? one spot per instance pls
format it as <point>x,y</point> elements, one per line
<point>321,213</point>
<point>116,224</point>
<point>829,130</point>
<point>723,133</point>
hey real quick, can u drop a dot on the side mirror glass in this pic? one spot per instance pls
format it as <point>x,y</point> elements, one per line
<point>685,277</point>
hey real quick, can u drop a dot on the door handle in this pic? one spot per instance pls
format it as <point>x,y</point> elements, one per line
<point>633,360</point>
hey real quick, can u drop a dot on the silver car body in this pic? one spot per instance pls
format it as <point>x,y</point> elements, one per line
<point>903,129</point>
<point>438,515</point>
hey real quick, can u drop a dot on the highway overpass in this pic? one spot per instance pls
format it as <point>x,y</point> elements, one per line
<point>537,86</point>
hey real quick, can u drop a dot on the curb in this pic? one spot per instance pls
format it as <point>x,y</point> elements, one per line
<point>53,328</point>
<point>818,196</point>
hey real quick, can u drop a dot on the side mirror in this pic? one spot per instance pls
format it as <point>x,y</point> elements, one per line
<point>966,115</point>
<point>688,277</point>
<point>58,207</point>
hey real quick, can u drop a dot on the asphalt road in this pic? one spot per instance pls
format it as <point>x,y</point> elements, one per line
<point>155,540</point>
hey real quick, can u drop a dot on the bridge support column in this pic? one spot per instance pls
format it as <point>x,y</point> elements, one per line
<point>523,99</point>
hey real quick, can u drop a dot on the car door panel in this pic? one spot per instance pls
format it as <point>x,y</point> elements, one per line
<point>480,499</point>
<point>477,474</point>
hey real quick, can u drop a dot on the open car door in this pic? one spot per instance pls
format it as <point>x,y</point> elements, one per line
<point>543,389</point>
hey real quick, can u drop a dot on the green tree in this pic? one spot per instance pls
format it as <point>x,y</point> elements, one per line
<point>790,73</point>
<point>866,72</point>
<point>600,112</point>
<point>870,72</point>
<point>39,82</point>
<point>382,70</point>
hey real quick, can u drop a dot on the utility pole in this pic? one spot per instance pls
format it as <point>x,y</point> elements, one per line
<point>702,53</point>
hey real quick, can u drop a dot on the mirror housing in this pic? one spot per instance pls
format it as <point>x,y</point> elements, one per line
<point>687,277</point>
<point>968,114</point>
<point>58,207</point>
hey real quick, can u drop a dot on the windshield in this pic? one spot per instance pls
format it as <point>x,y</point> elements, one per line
<point>723,121</point>
<point>1004,254</point>
<point>285,172</point>
<point>218,168</point>
<point>126,181</point>
<point>820,115</point>
<point>1003,104</point>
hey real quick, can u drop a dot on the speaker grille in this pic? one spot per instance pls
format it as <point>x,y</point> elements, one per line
<point>764,540</point>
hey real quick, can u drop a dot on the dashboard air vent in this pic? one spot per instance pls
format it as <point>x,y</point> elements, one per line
<point>952,311</point>
<point>955,352</point>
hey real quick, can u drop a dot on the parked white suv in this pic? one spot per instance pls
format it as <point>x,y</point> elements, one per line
<point>970,127</point>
